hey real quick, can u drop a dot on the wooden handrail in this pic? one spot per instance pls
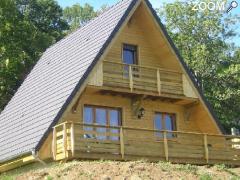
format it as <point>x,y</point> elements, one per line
<point>144,129</point>
<point>125,142</point>
<point>140,66</point>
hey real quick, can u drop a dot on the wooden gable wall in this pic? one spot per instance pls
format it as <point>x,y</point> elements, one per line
<point>152,48</point>
<point>154,51</point>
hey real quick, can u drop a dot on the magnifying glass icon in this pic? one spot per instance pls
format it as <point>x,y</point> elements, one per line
<point>233,4</point>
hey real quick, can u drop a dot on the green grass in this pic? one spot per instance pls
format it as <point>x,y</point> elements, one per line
<point>205,176</point>
<point>187,168</point>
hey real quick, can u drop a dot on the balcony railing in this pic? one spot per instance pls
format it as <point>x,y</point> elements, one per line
<point>144,79</point>
<point>76,140</point>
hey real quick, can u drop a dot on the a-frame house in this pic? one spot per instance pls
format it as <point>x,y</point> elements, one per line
<point>116,88</point>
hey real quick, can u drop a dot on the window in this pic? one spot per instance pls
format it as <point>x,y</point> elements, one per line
<point>130,57</point>
<point>101,116</point>
<point>165,121</point>
<point>130,54</point>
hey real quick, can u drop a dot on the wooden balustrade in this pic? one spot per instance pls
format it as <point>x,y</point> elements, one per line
<point>141,78</point>
<point>77,140</point>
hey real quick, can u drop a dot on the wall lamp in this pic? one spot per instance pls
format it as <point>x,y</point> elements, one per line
<point>141,113</point>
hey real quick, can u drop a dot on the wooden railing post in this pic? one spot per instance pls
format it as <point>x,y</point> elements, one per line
<point>158,82</point>
<point>206,147</point>
<point>72,140</point>
<point>65,140</point>
<point>165,144</point>
<point>130,77</point>
<point>122,142</point>
<point>54,143</point>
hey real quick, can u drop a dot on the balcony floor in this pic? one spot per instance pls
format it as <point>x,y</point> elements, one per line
<point>169,98</point>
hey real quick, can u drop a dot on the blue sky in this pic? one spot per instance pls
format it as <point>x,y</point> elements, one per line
<point>99,3</point>
<point>156,4</point>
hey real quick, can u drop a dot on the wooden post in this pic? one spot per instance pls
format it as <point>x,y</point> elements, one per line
<point>206,147</point>
<point>158,82</point>
<point>54,143</point>
<point>72,140</point>
<point>165,144</point>
<point>65,140</point>
<point>130,78</point>
<point>122,142</point>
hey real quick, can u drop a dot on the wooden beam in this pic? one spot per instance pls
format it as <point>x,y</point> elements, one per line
<point>54,143</point>
<point>165,145</point>
<point>16,163</point>
<point>130,78</point>
<point>158,82</point>
<point>72,140</point>
<point>122,142</point>
<point>65,139</point>
<point>206,147</point>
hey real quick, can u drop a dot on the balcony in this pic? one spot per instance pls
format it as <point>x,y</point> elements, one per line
<point>135,79</point>
<point>76,140</point>
<point>143,79</point>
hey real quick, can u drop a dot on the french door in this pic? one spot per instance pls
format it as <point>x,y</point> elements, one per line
<point>105,116</point>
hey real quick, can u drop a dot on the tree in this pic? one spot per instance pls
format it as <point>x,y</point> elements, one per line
<point>78,15</point>
<point>27,28</point>
<point>203,40</point>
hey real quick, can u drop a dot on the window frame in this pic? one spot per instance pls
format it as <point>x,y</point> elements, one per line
<point>163,124</point>
<point>107,109</point>
<point>136,54</point>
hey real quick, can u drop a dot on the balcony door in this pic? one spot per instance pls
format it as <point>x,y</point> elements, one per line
<point>105,117</point>
<point>130,57</point>
<point>165,121</point>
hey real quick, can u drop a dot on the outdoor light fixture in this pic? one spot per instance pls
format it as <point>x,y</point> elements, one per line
<point>141,113</point>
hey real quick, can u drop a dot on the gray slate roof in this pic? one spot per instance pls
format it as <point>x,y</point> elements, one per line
<point>41,99</point>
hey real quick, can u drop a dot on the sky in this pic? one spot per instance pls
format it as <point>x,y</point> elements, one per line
<point>156,4</point>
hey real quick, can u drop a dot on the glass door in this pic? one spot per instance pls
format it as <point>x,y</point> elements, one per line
<point>105,117</point>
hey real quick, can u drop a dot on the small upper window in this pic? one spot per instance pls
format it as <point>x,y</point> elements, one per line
<point>130,54</point>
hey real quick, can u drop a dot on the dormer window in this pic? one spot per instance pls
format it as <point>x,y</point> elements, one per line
<point>130,54</point>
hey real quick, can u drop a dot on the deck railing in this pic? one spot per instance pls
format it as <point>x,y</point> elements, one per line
<point>142,78</point>
<point>76,140</point>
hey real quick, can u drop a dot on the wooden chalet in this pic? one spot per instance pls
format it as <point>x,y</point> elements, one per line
<point>118,89</point>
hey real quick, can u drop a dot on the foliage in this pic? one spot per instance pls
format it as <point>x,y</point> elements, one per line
<point>221,167</point>
<point>78,15</point>
<point>27,28</point>
<point>187,168</point>
<point>203,40</point>
<point>205,176</point>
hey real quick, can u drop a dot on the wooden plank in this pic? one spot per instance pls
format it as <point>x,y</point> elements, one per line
<point>206,147</point>
<point>140,150</point>
<point>130,78</point>
<point>165,145</point>
<point>158,82</point>
<point>97,150</point>
<point>16,163</point>
<point>78,140</point>
<point>73,139</point>
<point>95,133</point>
<point>122,142</point>
<point>65,139</point>
<point>54,143</point>
<point>97,145</point>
